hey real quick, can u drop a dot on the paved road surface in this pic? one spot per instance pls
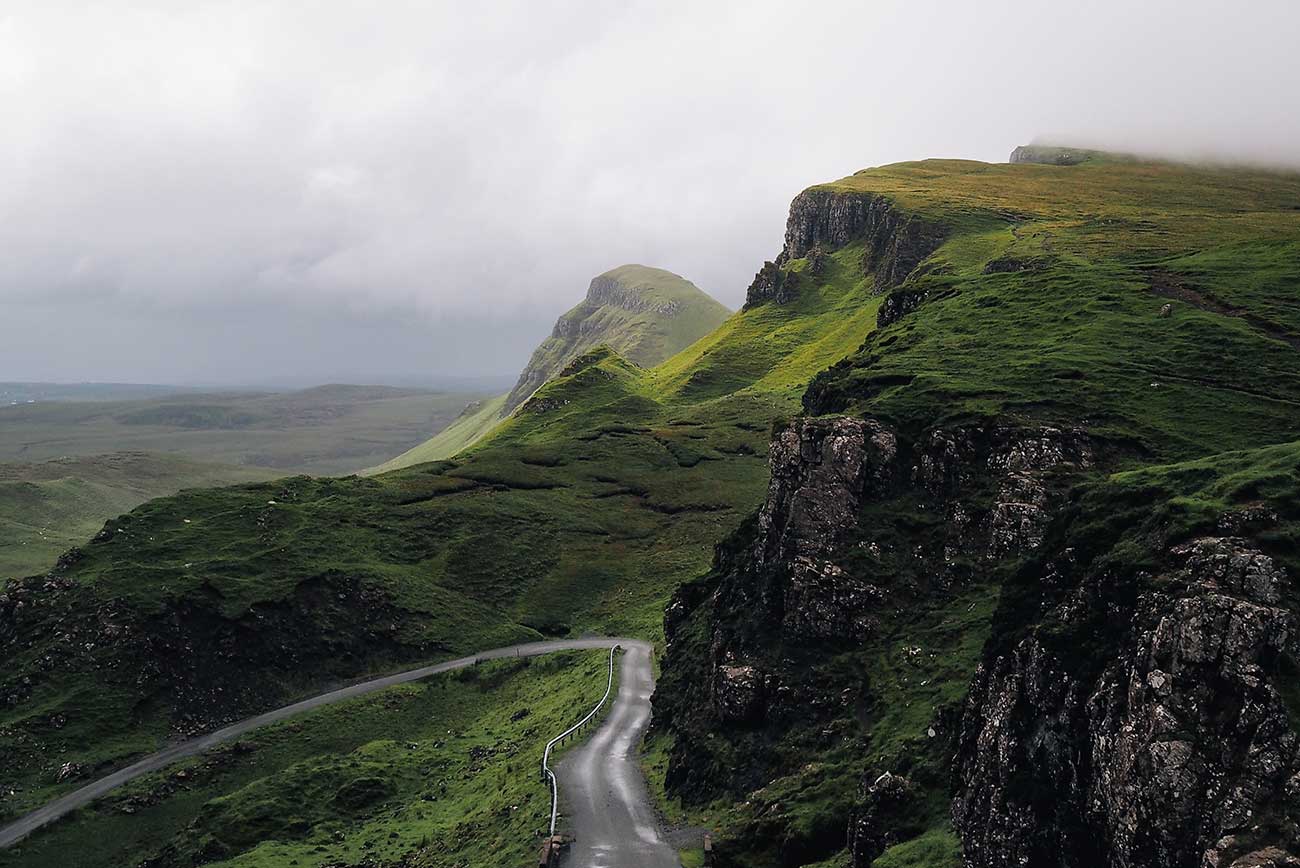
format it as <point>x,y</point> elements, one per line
<point>29,823</point>
<point>603,796</point>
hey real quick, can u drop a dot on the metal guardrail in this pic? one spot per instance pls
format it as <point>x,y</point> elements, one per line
<point>546,754</point>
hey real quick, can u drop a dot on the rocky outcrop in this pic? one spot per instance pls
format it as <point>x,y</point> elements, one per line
<point>1017,464</point>
<point>1152,736</point>
<point>772,283</point>
<point>896,240</point>
<point>821,469</point>
<point>822,220</point>
<point>607,290</point>
<point>874,826</point>
<point>812,576</point>
<point>899,304</point>
<point>1050,155</point>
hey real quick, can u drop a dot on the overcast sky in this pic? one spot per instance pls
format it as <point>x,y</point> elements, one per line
<point>293,192</point>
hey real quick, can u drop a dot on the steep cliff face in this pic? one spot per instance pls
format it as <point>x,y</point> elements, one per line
<point>644,314</point>
<point>895,241</point>
<point>865,541</point>
<point>1134,705</point>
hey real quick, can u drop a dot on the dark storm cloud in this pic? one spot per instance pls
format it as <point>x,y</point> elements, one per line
<point>357,187</point>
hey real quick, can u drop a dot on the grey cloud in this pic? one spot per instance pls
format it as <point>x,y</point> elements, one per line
<point>326,169</point>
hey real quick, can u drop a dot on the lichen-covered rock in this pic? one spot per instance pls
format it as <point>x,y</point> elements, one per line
<point>821,470</point>
<point>873,825</point>
<point>1018,461</point>
<point>737,690</point>
<point>1179,743</point>
<point>822,601</point>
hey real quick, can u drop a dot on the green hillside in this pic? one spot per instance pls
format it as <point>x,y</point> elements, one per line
<point>1116,336</point>
<point>644,314</point>
<point>49,507</point>
<point>474,422</point>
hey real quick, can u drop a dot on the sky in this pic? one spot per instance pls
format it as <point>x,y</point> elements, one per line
<point>299,192</point>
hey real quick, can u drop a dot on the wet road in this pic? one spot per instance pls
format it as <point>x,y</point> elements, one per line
<point>603,799</point>
<point>25,825</point>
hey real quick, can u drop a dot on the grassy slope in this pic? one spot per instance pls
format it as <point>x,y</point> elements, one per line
<point>1078,336</point>
<point>48,507</point>
<point>468,429</point>
<point>442,762</point>
<point>583,516</point>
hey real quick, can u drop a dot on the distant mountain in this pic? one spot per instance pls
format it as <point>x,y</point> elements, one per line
<point>644,314</point>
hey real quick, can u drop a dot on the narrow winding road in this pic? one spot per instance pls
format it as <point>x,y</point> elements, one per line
<point>638,651</point>
<point>603,797</point>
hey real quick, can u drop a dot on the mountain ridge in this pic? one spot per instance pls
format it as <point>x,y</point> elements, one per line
<point>645,314</point>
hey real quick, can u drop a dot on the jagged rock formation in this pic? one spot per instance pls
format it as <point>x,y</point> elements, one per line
<point>1168,744</point>
<point>815,574</point>
<point>644,314</point>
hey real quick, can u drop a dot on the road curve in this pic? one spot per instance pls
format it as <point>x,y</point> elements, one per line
<point>28,823</point>
<point>602,790</point>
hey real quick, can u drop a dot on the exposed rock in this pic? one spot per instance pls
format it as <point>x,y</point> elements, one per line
<point>1180,742</point>
<point>898,305</point>
<point>1014,264</point>
<point>1018,460</point>
<point>821,470</point>
<point>737,691</point>
<point>822,601</point>
<point>873,826</point>
<point>68,771</point>
<point>819,262</point>
<point>807,574</point>
<point>773,284</point>
<point>1048,155</point>
<point>896,241</point>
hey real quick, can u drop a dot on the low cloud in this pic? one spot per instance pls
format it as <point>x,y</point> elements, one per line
<point>319,170</point>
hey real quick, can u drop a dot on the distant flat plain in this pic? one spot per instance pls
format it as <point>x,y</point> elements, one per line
<point>72,457</point>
